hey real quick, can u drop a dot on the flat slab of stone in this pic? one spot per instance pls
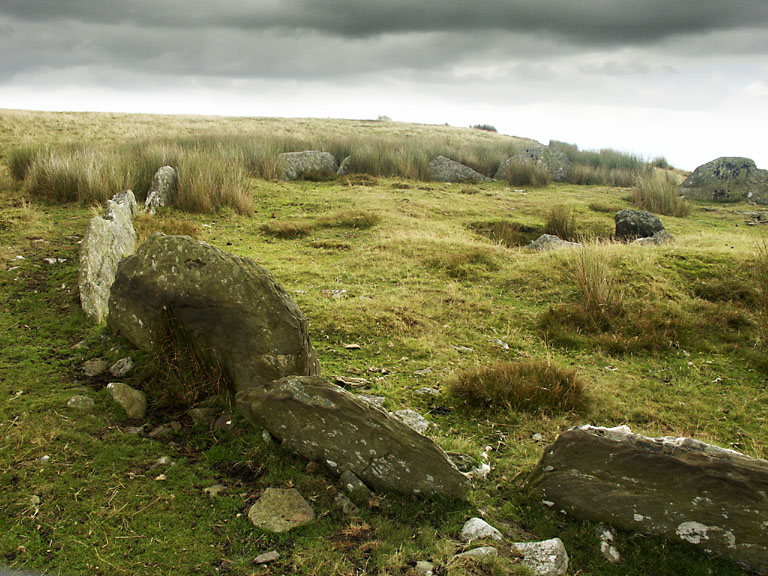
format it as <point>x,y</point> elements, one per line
<point>227,305</point>
<point>324,422</point>
<point>444,169</point>
<point>680,488</point>
<point>279,510</point>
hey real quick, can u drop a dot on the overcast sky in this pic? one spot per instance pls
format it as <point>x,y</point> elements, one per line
<point>686,79</point>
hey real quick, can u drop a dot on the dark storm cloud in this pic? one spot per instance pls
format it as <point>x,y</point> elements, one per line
<point>344,38</point>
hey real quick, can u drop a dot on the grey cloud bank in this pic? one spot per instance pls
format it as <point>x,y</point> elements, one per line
<point>623,65</point>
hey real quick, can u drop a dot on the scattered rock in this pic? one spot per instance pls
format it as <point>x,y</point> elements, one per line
<point>352,347</point>
<point>267,557</point>
<point>203,415</point>
<point>538,437</point>
<point>424,372</point>
<point>413,419</point>
<point>481,554</point>
<point>325,423</point>
<point>94,367</point>
<point>81,403</point>
<point>347,506</point>
<point>228,304</point>
<point>660,237</point>
<point>607,549</point>
<point>377,401</point>
<point>121,367</point>
<point>680,488</point>
<point>727,179</point>
<point>424,568</point>
<point>134,402</point>
<point>554,161</point>
<point>547,242</point>
<point>82,345</point>
<point>444,169</point>
<point>634,224</point>
<point>345,166</point>
<point>464,349</point>
<point>427,391</point>
<point>106,242</point>
<point>546,558</point>
<point>162,189</point>
<point>215,490</point>
<point>479,529</point>
<point>307,164</point>
<point>279,510</point>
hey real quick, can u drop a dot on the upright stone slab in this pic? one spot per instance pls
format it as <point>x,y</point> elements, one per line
<point>228,305</point>
<point>324,422</point>
<point>727,179</point>
<point>680,488</point>
<point>307,164</point>
<point>107,241</point>
<point>555,162</point>
<point>165,182</point>
<point>444,169</point>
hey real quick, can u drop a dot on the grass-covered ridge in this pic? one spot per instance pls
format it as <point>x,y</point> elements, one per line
<point>420,276</point>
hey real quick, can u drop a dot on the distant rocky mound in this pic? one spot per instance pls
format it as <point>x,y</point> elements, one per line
<point>555,162</point>
<point>307,164</point>
<point>727,179</point>
<point>444,169</point>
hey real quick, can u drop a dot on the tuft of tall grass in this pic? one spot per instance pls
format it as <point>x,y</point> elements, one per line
<point>760,272</point>
<point>561,222</point>
<point>660,194</point>
<point>209,180</point>
<point>509,234</point>
<point>527,173</point>
<point>20,159</point>
<point>599,295</point>
<point>535,386</point>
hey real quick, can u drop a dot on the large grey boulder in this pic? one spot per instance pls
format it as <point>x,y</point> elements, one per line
<point>680,488</point>
<point>555,162</point>
<point>635,224</point>
<point>727,179</point>
<point>165,182</point>
<point>444,169</point>
<point>227,305</point>
<point>107,241</point>
<point>307,164</point>
<point>323,422</point>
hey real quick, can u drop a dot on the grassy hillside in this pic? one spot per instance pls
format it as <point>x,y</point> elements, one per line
<point>432,282</point>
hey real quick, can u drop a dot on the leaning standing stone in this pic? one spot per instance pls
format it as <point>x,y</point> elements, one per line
<point>162,190</point>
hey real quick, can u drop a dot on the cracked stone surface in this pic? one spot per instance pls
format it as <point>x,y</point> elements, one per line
<point>324,422</point>
<point>680,488</point>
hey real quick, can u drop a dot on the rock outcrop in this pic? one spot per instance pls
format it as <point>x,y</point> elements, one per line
<point>323,422</point>
<point>680,488</point>
<point>307,164</point>
<point>444,169</point>
<point>727,179</point>
<point>107,241</point>
<point>554,161</point>
<point>165,182</point>
<point>227,305</point>
<point>633,224</point>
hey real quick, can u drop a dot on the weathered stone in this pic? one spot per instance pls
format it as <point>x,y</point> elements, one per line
<point>121,367</point>
<point>413,419</point>
<point>727,179</point>
<point>106,242</point>
<point>227,305</point>
<point>659,238</point>
<point>279,510</point>
<point>324,422</point>
<point>127,200</point>
<point>162,190</point>
<point>134,402</point>
<point>94,367</point>
<point>463,462</point>
<point>346,505</point>
<point>479,529</point>
<point>345,166</point>
<point>224,422</point>
<point>444,169</point>
<point>607,549</point>
<point>267,557</point>
<point>215,490</point>
<point>354,486</point>
<point>550,242</point>
<point>307,164</point>
<point>555,162</point>
<point>546,558</point>
<point>81,403</point>
<point>676,487</point>
<point>424,568</point>
<point>377,401</point>
<point>481,554</point>
<point>634,224</point>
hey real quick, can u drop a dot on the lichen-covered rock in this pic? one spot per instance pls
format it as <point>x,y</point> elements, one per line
<point>680,488</point>
<point>279,510</point>
<point>545,558</point>
<point>635,224</point>
<point>659,238</point>
<point>547,242</point>
<point>81,403</point>
<point>444,169</point>
<point>324,422</point>
<point>555,162</point>
<point>162,190</point>
<point>345,166</point>
<point>727,179</point>
<point>479,529</point>
<point>307,164</point>
<point>227,305</point>
<point>133,401</point>
<point>107,241</point>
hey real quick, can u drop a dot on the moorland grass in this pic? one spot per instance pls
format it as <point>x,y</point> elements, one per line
<point>561,222</point>
<point>660,194</point>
